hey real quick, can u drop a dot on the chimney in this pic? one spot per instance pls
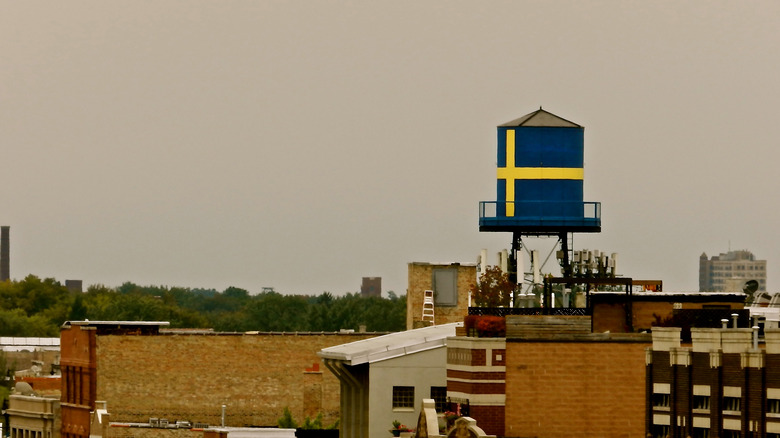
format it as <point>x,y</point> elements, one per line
<point>5,253</point>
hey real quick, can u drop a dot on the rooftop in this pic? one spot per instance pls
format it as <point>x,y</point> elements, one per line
<point>392,345</point>
<point>541,118</point>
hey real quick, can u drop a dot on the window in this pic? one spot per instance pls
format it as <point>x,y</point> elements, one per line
<point>403,397</point>
<point>731,434</point>
<point>660,431</point>
<point>660,400</point>
<point>732,404</point>
<point>701,402</point>
<point>700,432</point>
<point>439,396</point>
<point>773,406</point>
<point>445,286</point>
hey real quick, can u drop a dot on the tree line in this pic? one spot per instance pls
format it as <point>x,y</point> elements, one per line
<point>35,307</point>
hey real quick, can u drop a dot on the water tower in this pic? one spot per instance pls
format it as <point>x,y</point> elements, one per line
<point>539,181</point>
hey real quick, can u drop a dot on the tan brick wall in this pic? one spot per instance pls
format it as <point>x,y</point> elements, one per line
<point>587,389</point>
<point>421,279</point>
<point>312,393</point>
<point>138,432</point>
<point>189,377</point>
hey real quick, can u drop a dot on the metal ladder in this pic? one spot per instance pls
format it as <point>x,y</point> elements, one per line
<point>427,310</point>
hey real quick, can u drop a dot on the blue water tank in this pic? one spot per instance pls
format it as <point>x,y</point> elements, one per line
<point>539,178</point>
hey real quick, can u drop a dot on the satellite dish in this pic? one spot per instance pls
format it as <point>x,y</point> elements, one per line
<point>750,287</point>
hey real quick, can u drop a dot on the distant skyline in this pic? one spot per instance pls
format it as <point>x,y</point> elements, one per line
<point>305,145</point>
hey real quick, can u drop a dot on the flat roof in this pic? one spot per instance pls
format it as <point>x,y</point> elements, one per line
<point>15,340</point>
<point>392,345</point>
<point>11,343</point>
<point>115,323</point>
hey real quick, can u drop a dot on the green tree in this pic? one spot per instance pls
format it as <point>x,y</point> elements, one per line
<point>16,323</point>
<point>493,289</point>
<point>272,311</point>
<point>78,311</point>
<point>36,307</point>
<point>286,421</point>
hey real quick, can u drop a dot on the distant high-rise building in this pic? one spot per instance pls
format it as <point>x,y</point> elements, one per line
<point>371,287</point>
<point>74,285</point>
<point>730,271</point>
<point>5,253</point>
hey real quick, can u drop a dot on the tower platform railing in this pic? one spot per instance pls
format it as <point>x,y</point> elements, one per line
<point>540,216</point>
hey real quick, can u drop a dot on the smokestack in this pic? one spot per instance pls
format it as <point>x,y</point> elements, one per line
<point>5,253</point>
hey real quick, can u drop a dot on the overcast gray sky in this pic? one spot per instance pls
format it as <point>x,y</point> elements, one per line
<point>304,145</point>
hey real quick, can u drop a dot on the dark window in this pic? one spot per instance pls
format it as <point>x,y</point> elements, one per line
<point>439,395</point>
<point>701,402</point>
<point>445,286</point>
<point>732,403</point>
<point>403,396</point>
<point>700,432</point>
<point>660,431</point>
<point>773,406</point>
<point>661,400</point>
<point>731,434</point>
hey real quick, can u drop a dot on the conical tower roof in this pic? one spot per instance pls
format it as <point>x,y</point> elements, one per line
<point>541,117</point>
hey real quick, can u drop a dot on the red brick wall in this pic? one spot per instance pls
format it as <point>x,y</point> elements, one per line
<point>77,363</point>
<point>557,389</point>
<point>189,377</point>
<point>43,385</point>
<point>489,418</point>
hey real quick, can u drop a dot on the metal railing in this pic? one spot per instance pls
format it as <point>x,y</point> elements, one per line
<point>542,212</point>
<point>504,311</point>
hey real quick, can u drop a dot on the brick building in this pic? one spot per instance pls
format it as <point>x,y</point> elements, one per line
<point>371,287</point>
<point>476,377</point>
<point>31,416</point>
<point>555,376</point>
<point>622,312</point>
<point>142,371</point>
<point>450,284</point>
<point>725,383</point>
<point>34,357</point>
<point>563,380</point>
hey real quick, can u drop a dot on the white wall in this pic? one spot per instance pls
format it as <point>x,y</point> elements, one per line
<point>421,370</point>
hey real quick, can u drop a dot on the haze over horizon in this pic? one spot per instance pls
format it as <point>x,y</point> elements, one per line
<point>304,145</point>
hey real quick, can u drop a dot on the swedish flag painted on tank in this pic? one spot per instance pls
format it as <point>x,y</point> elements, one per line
<point>539,176</point>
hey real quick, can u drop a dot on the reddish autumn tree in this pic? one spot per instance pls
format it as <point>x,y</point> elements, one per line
<point>493,289</point>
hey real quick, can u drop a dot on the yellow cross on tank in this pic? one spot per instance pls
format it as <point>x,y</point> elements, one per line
<point>510,173</point>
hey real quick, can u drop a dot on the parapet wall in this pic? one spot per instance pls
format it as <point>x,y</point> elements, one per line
<point>190,376</point>
<point>728,340</point>
<point>562,380</point>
